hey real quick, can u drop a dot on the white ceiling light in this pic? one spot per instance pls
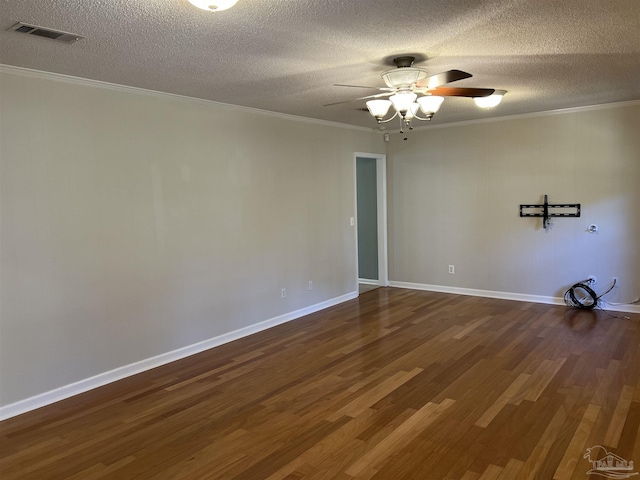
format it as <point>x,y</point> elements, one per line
<point>402,101</point>
<point>430,104</point>
<point>378,108</point>
<point>413,109</point>
<point>213,5</point>
<point>490,101</point>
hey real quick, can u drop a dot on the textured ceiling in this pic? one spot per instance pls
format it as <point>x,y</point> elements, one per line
<point>285,55</point>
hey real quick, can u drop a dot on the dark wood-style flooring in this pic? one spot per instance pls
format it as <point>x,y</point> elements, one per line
<point>397,384</point>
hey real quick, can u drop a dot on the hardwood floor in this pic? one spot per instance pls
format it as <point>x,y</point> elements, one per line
<point>397,384</point>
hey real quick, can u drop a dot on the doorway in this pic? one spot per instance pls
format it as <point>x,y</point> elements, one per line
<point>371,221</point>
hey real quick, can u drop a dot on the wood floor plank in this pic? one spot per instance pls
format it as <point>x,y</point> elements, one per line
<point>472,327</point>
<point>377,393</point>
<point>629,444</point>
<point>469,475</point>
<point>492,472</point>
<point>619,416</point>
<point>533,464</point>
<point>505,398</point>
<point>542,377</point>
<point>399,437</point>
<point>578,444</point>
<point>394,384</point>
<point>327,447</point>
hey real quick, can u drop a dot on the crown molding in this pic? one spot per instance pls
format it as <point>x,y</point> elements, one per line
<point>519,116</point>
<point>28,72</point>
<point>59,77</point>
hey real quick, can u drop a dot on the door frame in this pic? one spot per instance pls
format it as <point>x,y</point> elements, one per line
<point>381,200</point>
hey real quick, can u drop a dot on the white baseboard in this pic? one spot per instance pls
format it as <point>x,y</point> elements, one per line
<point>520,297</point>
<point>66,391</point>
<point>367,281</point>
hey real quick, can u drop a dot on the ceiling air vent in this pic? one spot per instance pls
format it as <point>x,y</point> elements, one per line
<point>58,35</point>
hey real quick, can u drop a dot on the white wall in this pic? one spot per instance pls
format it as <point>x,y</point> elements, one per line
<point>134,224</point>
<point>454,196</point>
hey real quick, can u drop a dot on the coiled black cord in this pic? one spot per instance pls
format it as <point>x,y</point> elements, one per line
<point>588,299</point>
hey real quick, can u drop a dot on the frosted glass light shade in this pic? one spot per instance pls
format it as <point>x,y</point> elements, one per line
<point>402,102</point>
<point>430,104</point>
<point>213,5</point>
<point>403,77</point>
<point>490,101</point>
<point>413,108</point>
<point>378,108</point>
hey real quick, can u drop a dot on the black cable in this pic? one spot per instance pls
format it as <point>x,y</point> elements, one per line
<point>591,300</point>
<point>614,316</point>
<point>572,300</point>
<point>613,284</point>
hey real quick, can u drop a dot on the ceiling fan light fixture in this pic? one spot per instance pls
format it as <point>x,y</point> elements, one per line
<point>430,104</point>
<point>406,82</point>
<point>213,5</point>
<point>402,102</point>
<point>378,108</point>
<point>491,101</point>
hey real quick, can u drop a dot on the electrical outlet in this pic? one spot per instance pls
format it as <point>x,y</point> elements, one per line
<point>283,293</point>
<point>310,285</point>
<point>593,279</point>
<point>452,269</point>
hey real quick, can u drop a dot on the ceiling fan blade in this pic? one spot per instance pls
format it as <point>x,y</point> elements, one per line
<point>363,86</point>
<point>354,86</point>
<point>441,78</point>
<point>461,92</point>
<point>361,98</point>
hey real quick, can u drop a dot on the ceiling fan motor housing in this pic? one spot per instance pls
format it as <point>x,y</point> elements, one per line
<point>405,75</point>
<point>404,62</point>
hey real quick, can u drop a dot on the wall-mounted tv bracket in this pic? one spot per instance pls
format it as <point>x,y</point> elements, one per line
<point>548,210</point>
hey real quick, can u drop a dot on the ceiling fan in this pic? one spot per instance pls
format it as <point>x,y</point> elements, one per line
<point>404,85</point>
